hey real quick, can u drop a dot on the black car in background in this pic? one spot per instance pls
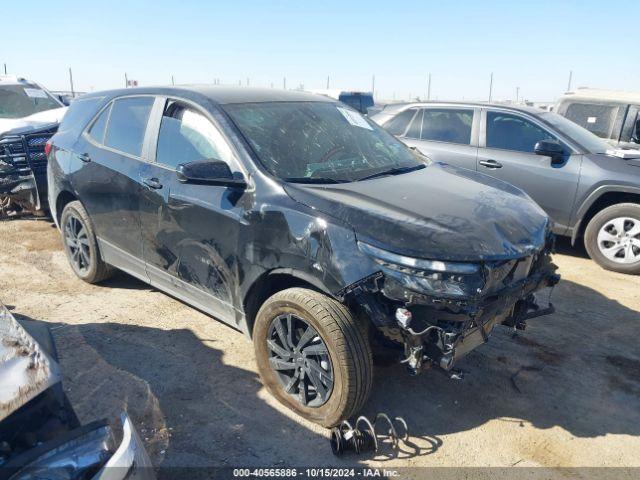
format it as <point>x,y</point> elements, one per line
<point>298,221</point>
<point>589,190</point>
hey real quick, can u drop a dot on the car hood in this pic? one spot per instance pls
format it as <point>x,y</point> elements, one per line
<point>438,212</point>
<point>26,370</point>
<point>36,120</point>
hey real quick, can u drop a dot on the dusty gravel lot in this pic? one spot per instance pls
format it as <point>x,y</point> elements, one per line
<point>564,393</point>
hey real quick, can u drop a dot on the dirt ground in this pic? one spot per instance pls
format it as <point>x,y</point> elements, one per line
<point>566,392</point>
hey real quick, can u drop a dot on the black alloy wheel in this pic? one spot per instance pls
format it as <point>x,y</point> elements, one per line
<point>301,360</point>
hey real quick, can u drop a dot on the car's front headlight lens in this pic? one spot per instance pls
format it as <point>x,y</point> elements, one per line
<point>80,457</point>
<point>454,279</point>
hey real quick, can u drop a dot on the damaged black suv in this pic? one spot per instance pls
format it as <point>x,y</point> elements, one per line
<point>298,221</point>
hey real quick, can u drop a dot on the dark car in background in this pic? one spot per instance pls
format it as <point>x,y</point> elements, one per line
<point>588,189</point>
<point>295,219</point>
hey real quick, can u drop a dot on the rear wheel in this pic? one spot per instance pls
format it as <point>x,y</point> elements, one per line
<point>312,356</point>
<point>612,238</point>
<point>81,246</point>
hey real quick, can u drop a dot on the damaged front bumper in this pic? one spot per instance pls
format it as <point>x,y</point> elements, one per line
<point>439,312</point>
<point>23,169</point>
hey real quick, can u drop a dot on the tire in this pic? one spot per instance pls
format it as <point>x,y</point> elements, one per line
<point>82,251</point>
<point>604,245</point>
<point>348,352</point>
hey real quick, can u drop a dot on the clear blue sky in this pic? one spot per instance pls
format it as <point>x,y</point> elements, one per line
<point>526,44</point>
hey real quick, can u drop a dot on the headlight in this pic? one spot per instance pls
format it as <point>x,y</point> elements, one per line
<point>429,276</point>
<point>79,457</point>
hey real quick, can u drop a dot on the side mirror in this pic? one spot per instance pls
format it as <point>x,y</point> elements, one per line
<point>208,172</point>
<point>550,148</point>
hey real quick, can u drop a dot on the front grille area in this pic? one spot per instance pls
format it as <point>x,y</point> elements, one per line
<point>35,143</point>
<point>12,155</point>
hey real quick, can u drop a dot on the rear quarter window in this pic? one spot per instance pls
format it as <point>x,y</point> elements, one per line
<point>79,113</point>
<point>398,124</point>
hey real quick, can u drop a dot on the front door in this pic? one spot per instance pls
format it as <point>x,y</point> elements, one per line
<point>507,152</point>
<point>190,232</point>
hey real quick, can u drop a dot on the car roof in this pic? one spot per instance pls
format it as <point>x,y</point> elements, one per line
<point>397,107</point>
<point>219,94</point>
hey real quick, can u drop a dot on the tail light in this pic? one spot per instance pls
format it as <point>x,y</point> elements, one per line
<point>47,148</point>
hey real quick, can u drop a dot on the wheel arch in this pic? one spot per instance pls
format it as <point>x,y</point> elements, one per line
<point>272,282</point>
<point>600,199</point>
<point>64,197</point>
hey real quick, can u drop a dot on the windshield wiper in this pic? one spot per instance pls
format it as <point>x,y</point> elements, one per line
<point>314,180</point>
<point>392,171</point>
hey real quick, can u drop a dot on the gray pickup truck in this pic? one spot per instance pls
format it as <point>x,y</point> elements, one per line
<point>590,190</point>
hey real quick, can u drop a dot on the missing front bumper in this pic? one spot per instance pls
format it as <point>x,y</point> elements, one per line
<point>443,330</point>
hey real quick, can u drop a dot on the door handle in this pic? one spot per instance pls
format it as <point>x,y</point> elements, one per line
<point>152,183</point>
<point>490,164</point>
<point>84,157</point>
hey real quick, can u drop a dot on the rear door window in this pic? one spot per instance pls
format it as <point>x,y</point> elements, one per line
<point>398,124</point>
<point>128,123</point>
<point>598,119</point>
<point>512,132</point>
<point>447,125</point>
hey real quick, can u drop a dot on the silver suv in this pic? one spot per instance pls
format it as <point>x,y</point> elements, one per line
<point>588,189</point>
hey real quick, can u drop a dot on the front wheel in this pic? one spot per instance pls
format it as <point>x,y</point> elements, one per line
<point>312,356</point>
<point>612,238</point>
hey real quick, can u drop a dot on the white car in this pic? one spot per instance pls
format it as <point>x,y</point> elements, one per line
<point>29,116</point>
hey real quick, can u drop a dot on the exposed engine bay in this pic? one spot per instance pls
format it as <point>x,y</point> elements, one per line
<point>437,330</point>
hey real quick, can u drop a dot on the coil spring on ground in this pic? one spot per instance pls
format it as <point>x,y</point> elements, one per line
<point>346,437</point>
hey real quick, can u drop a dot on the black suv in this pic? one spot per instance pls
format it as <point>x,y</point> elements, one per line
<point>298,221</point>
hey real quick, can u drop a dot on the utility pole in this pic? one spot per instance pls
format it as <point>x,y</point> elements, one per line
<point>490,86</point>
<point>126,80</point>
<point>327,82</point>
<point>284,83</point>
<point>172,80</point>
<point>570,78</point>
<point>71,83</point>
<point>373,86</point>
<point>429,88</point>
<point>5,68</point>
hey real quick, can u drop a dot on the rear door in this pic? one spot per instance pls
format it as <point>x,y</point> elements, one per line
<point>445,134</point>
<point>506,152</point>
<point>106,177</point>
<point>190,232</point>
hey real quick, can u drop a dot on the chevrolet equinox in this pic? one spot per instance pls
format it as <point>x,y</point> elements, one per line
<point>295,219</point>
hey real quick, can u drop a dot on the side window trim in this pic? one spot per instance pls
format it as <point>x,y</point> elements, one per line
<point>482,143</point>
<point>101,145</point>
